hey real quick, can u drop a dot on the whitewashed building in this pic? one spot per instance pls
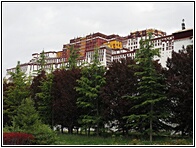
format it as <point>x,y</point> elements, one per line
<point>166,43</point>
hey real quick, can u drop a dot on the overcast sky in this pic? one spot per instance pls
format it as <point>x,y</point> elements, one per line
<point>31,27</point>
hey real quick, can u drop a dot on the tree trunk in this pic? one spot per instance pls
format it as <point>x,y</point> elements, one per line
<point>88,134</point>
<point>127,132</point>
<point>52,119</point>
<point>85,129</point>
<point>97,130</point>
<point>77,130</point>
<point>97,116</point>
<point>150,129</point>
<point>151,110</point>
<point>70,130</point>
<point>61,129</point>
<point>123,130</point>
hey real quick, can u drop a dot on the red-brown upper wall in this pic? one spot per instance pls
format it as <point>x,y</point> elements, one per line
<point>183,34</point>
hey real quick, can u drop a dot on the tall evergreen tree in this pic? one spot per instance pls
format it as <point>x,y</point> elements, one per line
<point>41,61</point>
<point>149,89</point>
<point>26,117</point>
<point>180,90</point>
<point>72,61</point>
<point>45,107</point>
<point>15,93</point>
<point>35,87</point>
<point>89,86</point>
<point>6,119</point>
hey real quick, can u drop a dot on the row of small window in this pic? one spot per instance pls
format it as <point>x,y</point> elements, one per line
<point>134,47</point>
<point>157,42</point>
<point>123,56</point>
<point>100,59</point>
<point>46,66</point>
<point>164,39</point>
<point>90,54</point>
<point>51,61</point>
<point>116,45</point>
<point>56,60</point>
<point>133,40</point>
<point>160,41</point>
<point>167,44</point>
<point>132,43</point>
<point>168,48</point>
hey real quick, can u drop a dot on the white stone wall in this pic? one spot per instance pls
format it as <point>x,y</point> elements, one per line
<point>179,43</point>
<point>133,43</point>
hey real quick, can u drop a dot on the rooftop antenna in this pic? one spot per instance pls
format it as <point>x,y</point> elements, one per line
<point>183,24</point>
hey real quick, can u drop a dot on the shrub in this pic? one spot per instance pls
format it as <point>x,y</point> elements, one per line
<point>16,138</point>
<point>43,134</point>
<point>179,142</point>
<point>6,129</point>
<point>135,142</point>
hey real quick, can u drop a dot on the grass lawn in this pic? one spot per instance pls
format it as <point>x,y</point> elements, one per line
<point>65,139</point>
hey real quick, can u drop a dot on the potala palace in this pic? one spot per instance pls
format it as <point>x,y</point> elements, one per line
<point>111,47</point>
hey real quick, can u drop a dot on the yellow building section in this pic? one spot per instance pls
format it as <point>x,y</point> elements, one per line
<point>59,54</point>
<point>114,44</point>
<point>150,31</point>
<point>82,46</point>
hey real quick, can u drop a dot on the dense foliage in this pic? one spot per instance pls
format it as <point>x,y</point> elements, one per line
<point>6,118</point>
<point>149,89</point>
<point>45,107</point>
<point>180,90</point>
<point>26,116</point>
<point>73,57</point>
<point>16,138</point>
<point>130,96</point>
<point>89,86</point>
<point>120,81</point>
<point>65,97</point>
<point>35,88</point>
<point>14,93</point>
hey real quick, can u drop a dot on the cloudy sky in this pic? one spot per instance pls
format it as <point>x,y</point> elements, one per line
<point>31,27</point>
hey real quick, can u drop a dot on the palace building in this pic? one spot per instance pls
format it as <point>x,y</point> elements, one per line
<point>111,47</point>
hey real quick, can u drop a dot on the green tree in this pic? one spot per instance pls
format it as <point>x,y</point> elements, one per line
<point>16,92</point>
<point>27,120</point>
<point>41,61</point>
<point>72,61</point>
<point>89,86</point>
<point>149,89</point>
<point>45,107</point>
<point>26,117</point>
<point>35,87</point>
<point>180,90</point>
<point>6,119</point>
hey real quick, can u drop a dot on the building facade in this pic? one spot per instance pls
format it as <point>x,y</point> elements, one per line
<point>111,47</point>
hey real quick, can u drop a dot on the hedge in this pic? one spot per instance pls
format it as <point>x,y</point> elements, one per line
<point>17,138</point>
